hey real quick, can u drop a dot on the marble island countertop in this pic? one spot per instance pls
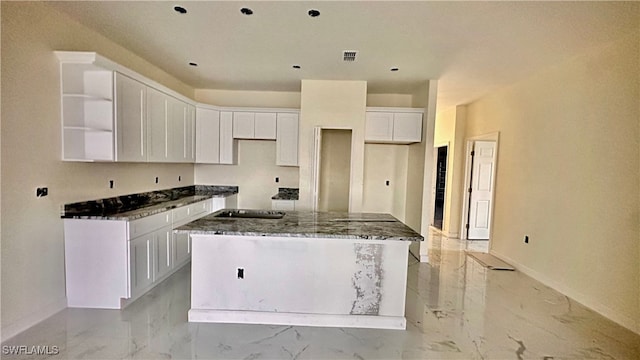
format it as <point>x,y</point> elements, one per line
<point>307,224</point>
<point>135,206</point>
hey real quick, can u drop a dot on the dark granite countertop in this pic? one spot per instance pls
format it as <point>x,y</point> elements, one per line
<point>286,194</point>
<point>135,206</point>
<point>307,224</point>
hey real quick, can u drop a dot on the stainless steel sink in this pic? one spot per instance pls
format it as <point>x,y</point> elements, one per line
<point>251,214</point>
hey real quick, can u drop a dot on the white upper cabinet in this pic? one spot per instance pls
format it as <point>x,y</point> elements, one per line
<point>178,129</point>
<point>157,121</point>
<point>393,127</point>
<point>243,125</point>
<point>407,127</point>
<point>131,122</point>
<point>251,125</point>
<point>87,107</point>
<point>228,145</point>
<point>207,136</point>
<point>190,136</point>
<point>287,139</point>
<point>265,126</point>
<point>379,126</point>
<point>112,113</point>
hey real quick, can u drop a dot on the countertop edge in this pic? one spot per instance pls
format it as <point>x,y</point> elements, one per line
<point>188,200</point>
<point>306,236</point>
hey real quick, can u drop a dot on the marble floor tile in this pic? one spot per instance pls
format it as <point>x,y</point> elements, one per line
<point>456,309</point>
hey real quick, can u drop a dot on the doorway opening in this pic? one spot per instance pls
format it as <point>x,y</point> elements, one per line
<point>480,179</point>
<point>333,169</point>
<point>440,186</point>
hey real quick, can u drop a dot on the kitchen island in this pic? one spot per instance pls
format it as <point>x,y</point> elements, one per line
<point>299,268</point>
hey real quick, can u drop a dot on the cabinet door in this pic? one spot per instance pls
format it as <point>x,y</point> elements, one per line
<point>378,126</point>
<point>287,140</point>
<point>157,118</point>
<point>228,149</point>
<point>163,259</point>
<point>243,125</point>
<point>265,126</point>
<point>190,136</point>
<point>182,247</point>
<point>141,263</point>
<point>130,119</point>
<point>407,127</point>
<point>178,129</point>
<point>207,136</point>
<point>283,205</point>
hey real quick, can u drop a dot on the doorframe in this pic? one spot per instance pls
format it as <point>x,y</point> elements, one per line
<point>434,177</point>
<point>316,162</point>
<point>495,136</point>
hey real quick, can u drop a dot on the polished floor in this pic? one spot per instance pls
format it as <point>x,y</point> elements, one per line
<point>456,309</point>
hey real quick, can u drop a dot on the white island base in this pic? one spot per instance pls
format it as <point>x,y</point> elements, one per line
<point>299,281</point>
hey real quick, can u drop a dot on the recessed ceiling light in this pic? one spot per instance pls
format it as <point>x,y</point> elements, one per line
<point>193,64</point>
<point>246,11</point>
<point>394,69</point>
<point>314,13</point>
<point>296,66</point>
<point>180,9</point>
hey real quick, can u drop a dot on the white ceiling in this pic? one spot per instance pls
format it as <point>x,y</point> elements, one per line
<point>470,47</point>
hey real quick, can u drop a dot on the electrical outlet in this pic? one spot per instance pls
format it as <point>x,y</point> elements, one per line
<point>526,239</point>
<point>111,184</point>
<point>277,179</point>
<point>387,182</point>
<point>41,192</point>
<point>157,179</point>
<point>179,178</point>
<point>240,273</point>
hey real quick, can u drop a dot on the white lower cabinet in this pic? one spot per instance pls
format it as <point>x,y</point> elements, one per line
<point>181,248</point>
<point>283,205</point>
<point>163,259</point>
<point>141,264</point>
<point>111,263</point>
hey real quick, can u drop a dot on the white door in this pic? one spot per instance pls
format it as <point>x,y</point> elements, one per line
<point>482,176</point>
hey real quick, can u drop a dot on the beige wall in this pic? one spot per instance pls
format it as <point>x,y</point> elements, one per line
<point>420,168</point>
<point>450,130</point>
<point>384,162</point>
<point>255,174</point>
<point>33,285</point>
<point>267,99</point>
<point>335,168</point>
<point>568,177</point>
<point>389,100</point>
<point>332,104</point>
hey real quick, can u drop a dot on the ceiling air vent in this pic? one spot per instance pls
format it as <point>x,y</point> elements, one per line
<point>349,55</point>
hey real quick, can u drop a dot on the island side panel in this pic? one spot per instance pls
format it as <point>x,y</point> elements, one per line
<point>280,275</point>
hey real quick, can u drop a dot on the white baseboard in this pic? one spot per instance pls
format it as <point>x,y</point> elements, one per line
<point>11,330</point>
<point>602,309</point>
<point>296,319</point>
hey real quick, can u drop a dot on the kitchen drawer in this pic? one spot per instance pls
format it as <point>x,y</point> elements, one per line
<point>181,213</point>
<point>199,208</point>
<point>148,224</point>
